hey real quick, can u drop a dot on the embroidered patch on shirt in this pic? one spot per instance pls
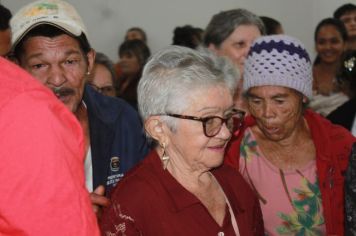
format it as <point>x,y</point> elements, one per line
<point>115,163</point>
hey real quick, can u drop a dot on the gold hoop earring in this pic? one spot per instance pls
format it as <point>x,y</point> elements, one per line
<point>165,157</point>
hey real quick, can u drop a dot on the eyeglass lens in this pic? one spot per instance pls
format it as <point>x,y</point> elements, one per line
<point>104,90</point>
<point>213,125</point>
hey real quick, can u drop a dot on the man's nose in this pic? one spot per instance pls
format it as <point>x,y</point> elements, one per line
<point>56,76</point>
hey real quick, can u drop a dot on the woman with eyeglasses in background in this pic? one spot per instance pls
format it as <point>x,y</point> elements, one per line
<point>103,76</point>
<point>182,187</point>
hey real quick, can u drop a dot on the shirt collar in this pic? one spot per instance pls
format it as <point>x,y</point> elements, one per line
<point>179,196</point>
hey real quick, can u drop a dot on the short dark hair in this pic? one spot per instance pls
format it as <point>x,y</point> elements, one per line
<point>5,16</point>
<point>346,8</point>
<point>340,27</point>
<point>137,48</point>
<point>50,31</point>
<point>187,36</point>
<point>271,25</point>
<point>102,59</point>
<point>138,29</point>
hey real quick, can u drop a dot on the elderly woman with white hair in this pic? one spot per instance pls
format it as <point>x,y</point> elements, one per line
<point>182,187</point>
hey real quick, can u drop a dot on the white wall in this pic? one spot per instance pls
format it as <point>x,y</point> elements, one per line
<point>108,20</point>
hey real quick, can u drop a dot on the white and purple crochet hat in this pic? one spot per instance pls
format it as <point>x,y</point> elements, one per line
<point>278,60</point>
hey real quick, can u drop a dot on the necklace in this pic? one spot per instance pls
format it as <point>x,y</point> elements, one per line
<point>284,184</point>
<point>285,187</point>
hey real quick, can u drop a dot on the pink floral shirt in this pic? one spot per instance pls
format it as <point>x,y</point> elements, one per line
<point>290,200</point>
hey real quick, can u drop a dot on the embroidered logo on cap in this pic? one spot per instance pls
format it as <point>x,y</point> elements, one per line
<point>42,9</point>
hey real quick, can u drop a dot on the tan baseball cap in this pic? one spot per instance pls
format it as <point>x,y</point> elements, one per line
<point>53,12</point>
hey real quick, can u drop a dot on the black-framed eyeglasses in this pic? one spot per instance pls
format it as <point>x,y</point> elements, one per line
<point>213,124</point>
<point>106,90</point>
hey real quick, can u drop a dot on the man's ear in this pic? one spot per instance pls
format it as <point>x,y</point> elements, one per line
<point>91,60</point>
<point>156,129</point>
<point>213,48</point>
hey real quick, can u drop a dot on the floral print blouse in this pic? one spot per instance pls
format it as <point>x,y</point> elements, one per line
<point>290,200</point>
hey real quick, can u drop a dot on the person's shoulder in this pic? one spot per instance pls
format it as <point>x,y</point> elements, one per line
<point>22,93</point>
<point>344,114</point>
<point>14,81</point>
<point>230,175</point>
<point>326,129</point>
<point>347,107</point>
<point>331,138</point>
<point>226,170</point>
<point>109,109</point>
<point>138,182</point>
<point>318,121</point>
<point>235,185</point>
<point>125,107</point>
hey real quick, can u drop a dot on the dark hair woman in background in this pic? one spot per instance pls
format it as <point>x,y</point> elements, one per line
<point>133,56</point>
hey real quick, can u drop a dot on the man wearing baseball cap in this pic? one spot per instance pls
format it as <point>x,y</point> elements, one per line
<point>50,41</point>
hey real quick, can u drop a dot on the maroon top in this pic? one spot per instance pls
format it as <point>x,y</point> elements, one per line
<point>149,201</point>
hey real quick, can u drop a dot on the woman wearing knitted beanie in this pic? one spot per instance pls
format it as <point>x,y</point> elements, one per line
<point>293,158</point>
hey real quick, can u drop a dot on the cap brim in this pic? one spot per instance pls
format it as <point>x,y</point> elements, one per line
<point>69,29</point>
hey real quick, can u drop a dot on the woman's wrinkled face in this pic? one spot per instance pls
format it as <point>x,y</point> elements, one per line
<point>101,80</point>
<point>277,110</point>
<point>329,44</point>
<point>188,147</point>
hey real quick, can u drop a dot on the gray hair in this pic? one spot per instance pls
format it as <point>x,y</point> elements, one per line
<point>173,74</point>
<point>102,59</point>
<point>224,23</point>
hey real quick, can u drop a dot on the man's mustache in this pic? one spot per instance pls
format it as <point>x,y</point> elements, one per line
<point>62,91</point>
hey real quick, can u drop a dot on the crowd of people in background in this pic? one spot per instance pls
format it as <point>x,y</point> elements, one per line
<point>230,130</point>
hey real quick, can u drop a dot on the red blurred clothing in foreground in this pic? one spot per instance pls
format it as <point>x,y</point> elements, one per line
<point>41,155</point>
